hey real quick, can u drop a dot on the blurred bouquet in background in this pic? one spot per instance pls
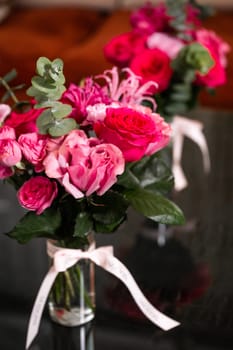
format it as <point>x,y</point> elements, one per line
<point>169,45</point>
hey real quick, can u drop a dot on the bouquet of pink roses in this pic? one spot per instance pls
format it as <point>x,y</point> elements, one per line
<point>79,157</point>
<point>169,45</point>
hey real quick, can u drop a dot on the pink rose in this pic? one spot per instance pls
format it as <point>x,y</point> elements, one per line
<point>10,152</point>
<point>218,49</point>
<point>5,172</point>
<point>4,111</point>
<point>149,19</point>
<point>214,43</point>
<point>33,147</point>
<point>134,132</point>
<point>166,43</point>
<point>153,65</point>
<point>83,165</point>
<point>6,132</point>
<point>99,170</point>
<point>121,49</point>
<point>193,16</point>
<point>24,123</point>
<point>75,144</point>
<point>216,76</point>
<point>37,194</point>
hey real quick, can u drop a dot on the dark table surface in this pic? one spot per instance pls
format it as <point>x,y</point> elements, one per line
<point>186,272</point>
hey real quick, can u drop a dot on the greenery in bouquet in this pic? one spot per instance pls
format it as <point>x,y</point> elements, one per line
<point>169,45</point>
<point>80,156</point>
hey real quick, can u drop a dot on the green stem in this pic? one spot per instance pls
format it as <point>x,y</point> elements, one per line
<point>77,276</point>
<point>69,284</point>
<point>7,87</point>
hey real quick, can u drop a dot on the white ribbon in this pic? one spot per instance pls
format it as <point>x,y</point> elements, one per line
<point>103,256</point>
<point>192,129</point>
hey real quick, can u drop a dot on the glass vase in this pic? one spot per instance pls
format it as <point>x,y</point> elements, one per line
<point>72,296</point>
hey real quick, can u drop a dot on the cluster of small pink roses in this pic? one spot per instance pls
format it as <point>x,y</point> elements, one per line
<point>149,48</point>
<point>113,129</point>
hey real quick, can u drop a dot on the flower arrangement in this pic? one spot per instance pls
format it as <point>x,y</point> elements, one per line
<point>169,45</point>
<point>80,156</point>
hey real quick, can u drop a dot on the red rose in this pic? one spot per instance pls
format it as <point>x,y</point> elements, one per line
<point>136,133</point>
<point>153,65</point>
<point>121,49</point>
<point>24,123</point>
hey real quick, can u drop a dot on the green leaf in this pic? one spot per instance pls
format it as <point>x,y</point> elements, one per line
<point>83,225</point>
<point>108,211</point>
<point>31,91</point>
<point>56,71</point>
<point>10,75</point>
<point>62,127</point>
<point>32,226</point>
<point>60,110</point>
<point>45,121</point>
<point>150,172</point>
<point>108,228</point>
<point>175,108</point>
<point>155,207</point>
<point>128,179</point>
<point>39,84</point>
<point>41,63</point>
<point>180,97</point>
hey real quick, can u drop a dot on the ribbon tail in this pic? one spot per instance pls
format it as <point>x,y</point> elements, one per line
<point>179,176</point>
<point>39,305</point>
<point>193,130</point>
<point>115,267</point>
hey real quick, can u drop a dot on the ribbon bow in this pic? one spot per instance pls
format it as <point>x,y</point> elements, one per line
<point>192,129</point>
<point>103,257</point>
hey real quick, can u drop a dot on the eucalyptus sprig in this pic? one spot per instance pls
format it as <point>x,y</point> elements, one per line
<point>182,92</point>
<point>47,89</point>
<point>177,11</point>
<point>10,90</point>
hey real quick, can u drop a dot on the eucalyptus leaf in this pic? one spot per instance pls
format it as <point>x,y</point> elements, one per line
<point>41,64</point>
<point>10,76</point>
<point>62,127</point>
<point>39,84</point>
<point>181,97</point>
<point>45,118</point>
<point>174,108</point>
<point>181,88</point>
<point>55,72</point>
<point>32,91</point>
<point>45,121</point>
<point>60,110</point>
<point>5,97</point>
